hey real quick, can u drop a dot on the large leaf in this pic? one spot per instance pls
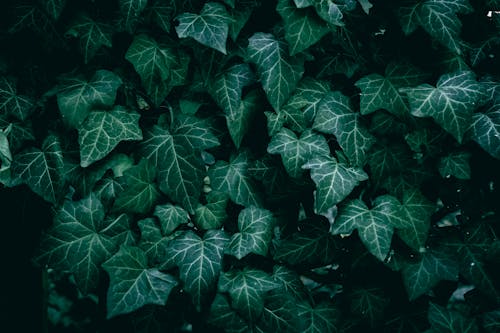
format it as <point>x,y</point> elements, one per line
<point>199,261</point>
<point>303,27</point>
<point>336,116</point>
<point>180,170</point>
<point>77,96</point>
<point>133,284</point>
<point>42,169</point>
<point>295,152</point>
<point>92,35</point>
<point>130,11</point>
<point>12,103</point>
<point>485,129</point>
<point>422,276</point>
<point>451,103</point>
<point>101,132</point>
<point>256,230</point>
<point>80,240</point>
<point>278,72</point>
<point>209,28</point>
<point>334,181</point>
<point>443,320</point>
<point>322,318</point>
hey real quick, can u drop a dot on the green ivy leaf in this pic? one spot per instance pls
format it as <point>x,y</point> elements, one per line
<point>240,123</point>
<point>368,304</point>
<point>307,99</point>
<point>170,217</point>
<point>152,241</point>
<point>336,116</point>
<point>295,152</point>
<point>12,103</point>
<point>256,230</point>
<point>456,165</point>
<point>93,36</point>
<point>130,11</point>
<point>42,169</point>
<point>443,320</point>
<point>278,72</point>
<point>180,171</point>
<point>161,14</point>
<point>193,133</point>
<point>80,240</point>
<point>451,103</point>
<point>279,314</point>
<point>209,28</point>
<point>422,276</point>
<point>102,130</point>
<point>321,318</point>
<point>290,282</point>
<point>223,316</point>
<point>53,7</point>
<point>247,288</point>
<point>213,214</point>
<point>334,181</point>
<point>133,284</point>
<point>78,96</point>
<point>199,261</point>
<point>140,192</point>
<point>302,27</point>
<point>485,129</point>
<point>491,321</point>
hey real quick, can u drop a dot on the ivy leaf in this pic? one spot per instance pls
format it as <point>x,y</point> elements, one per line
<point>302,27</point>
<point>278,72</point>
<point>318,319</point>
<point>223,316</point>
<point>422,276</point>
<point>306,98</point>
<point>233,178</point>
<point>102,130</point>
<point>368,304</point>
<point>53,7</point>
<point>193,133</point>
<point>213,214</point>
<point>42,169</point>
<point>133,284</point>
<point>334,181</point>
<point>443,320</point>
<point>130,11</point>
<point>209,28</point>
<point>256,230</point>
<point>199,261</point>
<point>170,217</point>
<point>375,226</point>
<point>451,103</point>
<point>456,165</point>
<point>92,35</point>
<point>290,282</point>
<point>279,314</point>
<point>491,321</point>
<point>336,116</point>
<point>152,242</point>
<point>161,14</point>
<point>80,240</point>
<point>485,129</point>
<point>366,5</point>
<point>295,152</point>
<point>12,103</point>
<point>239,124</point>
<point>140,192</point>
<point>77,96</point>
<point>180,171</point>
<point>247,288</point>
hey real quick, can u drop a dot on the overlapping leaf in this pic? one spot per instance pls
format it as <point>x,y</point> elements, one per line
<point>456,165</point>
<point>213,214</point>
<point>93,36</point>
<point>170,217</point>
<point>368,304</point>
<point>223,316</point>
<point>12,103</point>
<point>153,242</point>
<point>321,318</point>
<point>445,320</point>
<point>53,7</point>
<point>130,11</point>
<point>485,129</point>
<point>305,102</point>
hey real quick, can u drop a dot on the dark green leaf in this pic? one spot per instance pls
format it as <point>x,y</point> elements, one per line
<point>368,304</point>
<point>223,316</point>
<point>448,321</point>
<point>193,133</point>
<point>213,214</point>
<point>456,165</point>
<point>152,242</point>
<point>170,217</point>
<point>318,319</point>
<point>485,129</point>
<point>53,7</point>
<point>130,11</point>
<point>306,100</point>
<point>12,103</point>
<point>92,35</point>
<point>279,314</point>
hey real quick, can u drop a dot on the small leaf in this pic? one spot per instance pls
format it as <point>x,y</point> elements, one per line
<point>170,217</point>
<point>366,5</point>
<point>213,214</point>
<point>133,284</point>
<point>92,35</point>
<point>12,103</point>
<point>321,318</point>
<point>456,165</point>
<point>130,11</point>
<point>77,96</point>
<point>256,227</point>
<point>152,242</point>
<point>209,28</point>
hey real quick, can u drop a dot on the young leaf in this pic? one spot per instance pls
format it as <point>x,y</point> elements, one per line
<point>130,11</point>
<point>456,165</point>
<point>12,103</point>
<point>209,28</point>
<point>334,181</point>
<point>133,284</point>
<point>321,318</point>
<point>278,72</point>
<point>485,129</point>
<point>256,227</point>
<point>92,35</point>
<point>451,103</point>
<point>170,217</point>
<point>336,116</point>
<point>102,130</point>
<point>199,261</point>
<point>443,320</point>
<point>213,214</point>
<point>42,170</point>
<point>77,96</point>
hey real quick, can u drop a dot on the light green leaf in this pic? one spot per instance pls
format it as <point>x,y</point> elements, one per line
<point>422,276</point>
<point>103,130</point>
<point>485,129</point>
<point>278,72</point>
<point>209,28</point>
<point>451,103</point>
<point>199,261</point>
<point>152,242</point>
<point>133,284</point>
<point>130,11</point>
<point>233,178</point>
<point>303,3</point>
<point>336,116</point>
<point>247,288</point>
<point>334,181</point>
<point>20,133</point>
<point>180,171</point>
<point>170,217</point>
<point>42,169</point>
<point>295,152</point>
<point>80,240</point>
<point>456,165</point>
<point>92,35</point>
<point>11,103</point>
<point>140,192</point>
<point>443,320</point>
<point>77,96</point>
<point>302,27</point>
<point>322,318</point>
<point>256,230</point>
